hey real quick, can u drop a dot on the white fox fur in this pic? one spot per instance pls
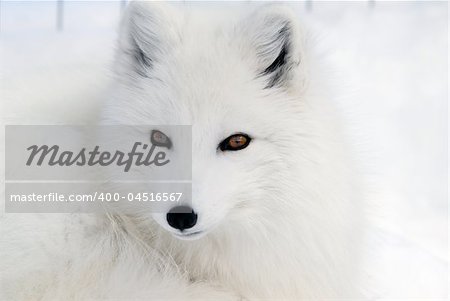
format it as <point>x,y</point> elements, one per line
<point>281,219</point>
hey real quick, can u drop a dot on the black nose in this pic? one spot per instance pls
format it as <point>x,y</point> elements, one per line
<point>182,217</point>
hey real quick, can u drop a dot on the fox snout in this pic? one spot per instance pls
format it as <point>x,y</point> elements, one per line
<point>181,217</point>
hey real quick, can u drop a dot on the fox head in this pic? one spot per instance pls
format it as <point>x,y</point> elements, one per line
<point>273,189</point>
<point>239,80</point>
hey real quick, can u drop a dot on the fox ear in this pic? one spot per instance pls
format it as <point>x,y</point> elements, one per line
<point>146,35</point>
<point>274,36</point>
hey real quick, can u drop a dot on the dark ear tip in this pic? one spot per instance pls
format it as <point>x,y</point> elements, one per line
<point>275,69</point>
<point>280,60</point>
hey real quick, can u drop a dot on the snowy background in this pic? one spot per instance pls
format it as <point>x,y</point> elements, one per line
<point>392,56</point>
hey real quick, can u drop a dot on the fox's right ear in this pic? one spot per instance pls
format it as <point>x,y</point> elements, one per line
<point>146,34</point>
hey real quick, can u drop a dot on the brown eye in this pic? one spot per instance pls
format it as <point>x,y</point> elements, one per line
<point>235,142</point>
<point>158,138</point>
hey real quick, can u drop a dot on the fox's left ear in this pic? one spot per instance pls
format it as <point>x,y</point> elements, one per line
<point>274,37</point>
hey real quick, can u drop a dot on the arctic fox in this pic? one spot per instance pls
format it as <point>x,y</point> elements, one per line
<point>276,210</point>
